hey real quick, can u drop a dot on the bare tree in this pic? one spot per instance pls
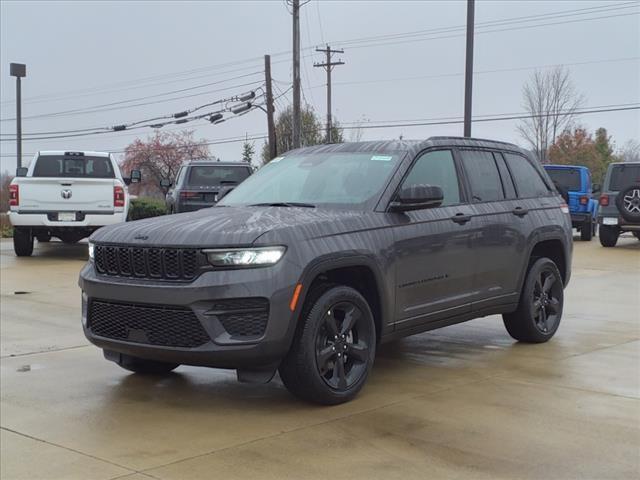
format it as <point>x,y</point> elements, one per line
<point>552,101</point>
<point>630,152</point>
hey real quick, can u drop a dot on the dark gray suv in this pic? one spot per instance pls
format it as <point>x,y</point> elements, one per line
<point>328,251</point>
<point>201,183</point>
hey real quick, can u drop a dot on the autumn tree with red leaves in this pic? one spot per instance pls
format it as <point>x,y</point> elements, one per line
<point>160,156</point>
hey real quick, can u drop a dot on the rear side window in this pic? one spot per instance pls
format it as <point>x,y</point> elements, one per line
<point>623,175</point>
<point>437,169</point>
<point>74,167</point>
<point>507,182</point>
<point>483,175</point>
<point>566,178</point>
<point>528,181</point>
<point>203,176</point>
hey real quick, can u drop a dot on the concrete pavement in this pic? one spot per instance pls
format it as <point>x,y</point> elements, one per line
<point>461,402</point>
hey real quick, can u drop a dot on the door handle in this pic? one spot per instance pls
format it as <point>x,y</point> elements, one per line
<point>461,218</point>
<point>520,211</point>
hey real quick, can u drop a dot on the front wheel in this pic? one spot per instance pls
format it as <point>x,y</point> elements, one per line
<point>540,309</point>
<point>609,235</point>
<point>22,242</point>
<point>334,347</point>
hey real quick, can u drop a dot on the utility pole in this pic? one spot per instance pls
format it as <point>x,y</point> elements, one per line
<point>297,124</point>
<point>468,73</point>
<point>271,128</point>
<point>18,70</point>
<point>328,66</point>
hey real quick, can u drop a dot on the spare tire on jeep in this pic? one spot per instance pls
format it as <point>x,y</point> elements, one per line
<point>628,203</point>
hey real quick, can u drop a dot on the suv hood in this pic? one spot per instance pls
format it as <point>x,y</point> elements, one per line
<point>228,226</point>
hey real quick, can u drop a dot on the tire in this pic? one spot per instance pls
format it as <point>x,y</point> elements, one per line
<point>43,237</point>
<point>586,230</point>
<point>22,242</point>
<point>628,203</point>
<point>609,235</point>
<point>144,366</point>
<point>335,320</point>
<point>539,311</point>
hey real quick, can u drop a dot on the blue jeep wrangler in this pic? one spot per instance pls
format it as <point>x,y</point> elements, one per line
<point>574,184</point>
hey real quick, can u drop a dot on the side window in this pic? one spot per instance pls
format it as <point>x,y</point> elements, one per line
<point>437,168</point>
<point>483,175</point>
<point>180,176</point>
<point>507,182</point>
<point>528,181</point>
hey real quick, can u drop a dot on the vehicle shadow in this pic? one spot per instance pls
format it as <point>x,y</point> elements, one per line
<point>58,249</point>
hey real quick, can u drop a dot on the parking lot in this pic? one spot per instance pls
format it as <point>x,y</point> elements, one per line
<point>461,402</point>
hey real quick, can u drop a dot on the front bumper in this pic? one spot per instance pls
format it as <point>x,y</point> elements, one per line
<point>222,350</point>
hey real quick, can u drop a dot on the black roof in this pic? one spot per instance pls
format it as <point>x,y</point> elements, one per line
<point>397,146</point>
<point>214,162</point>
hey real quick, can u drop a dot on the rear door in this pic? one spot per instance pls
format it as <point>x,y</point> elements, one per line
<point>498,239</point>
<point>69,183</point>
<point>433,247</point>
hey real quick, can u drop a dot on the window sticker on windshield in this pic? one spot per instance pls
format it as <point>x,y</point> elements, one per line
<point>381,158</point>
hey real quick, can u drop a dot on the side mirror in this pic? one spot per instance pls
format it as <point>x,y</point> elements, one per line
<point>136,176</point>
<point>165,183</point>
<point>596,187</point>
<point>417,197</point>
<point>21,172</point>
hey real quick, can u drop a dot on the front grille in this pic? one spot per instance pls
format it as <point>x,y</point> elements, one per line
<point>147,262</point>
<point>153,325</point>
<point>242,317</point>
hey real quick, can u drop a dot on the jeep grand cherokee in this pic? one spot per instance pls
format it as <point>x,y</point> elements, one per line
<point>328,251</point>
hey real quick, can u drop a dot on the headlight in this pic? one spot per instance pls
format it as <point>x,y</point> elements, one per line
<point>91,248</point>
<point>244,257</point>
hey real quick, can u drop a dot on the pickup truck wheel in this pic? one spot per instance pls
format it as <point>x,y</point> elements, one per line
<point>609,235</point>
<point>586,230</point>
<point>144,366</point>
<point>540,309</point>
<point>334,347</point>
<point>22,242</point>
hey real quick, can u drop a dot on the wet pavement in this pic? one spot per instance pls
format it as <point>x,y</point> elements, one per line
<point>461,402</point>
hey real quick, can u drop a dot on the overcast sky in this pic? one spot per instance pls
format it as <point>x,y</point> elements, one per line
<point>81,55</point>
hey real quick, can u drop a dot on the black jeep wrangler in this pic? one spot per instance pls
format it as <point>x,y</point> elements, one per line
<point>328,251</point>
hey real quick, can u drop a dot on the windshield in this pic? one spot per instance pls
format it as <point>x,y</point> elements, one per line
<point>623,175</point>
<point>567,178</point>
<point>75,167</point>
<point>210,175</point>
<point>346,180</point>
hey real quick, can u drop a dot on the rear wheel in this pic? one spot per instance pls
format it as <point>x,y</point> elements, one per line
<point>540,309</point>
<point>609,235</point>
<point>22,242</point>
<point>586,230</point>
<point>141,365</point>
<point>334,347</point>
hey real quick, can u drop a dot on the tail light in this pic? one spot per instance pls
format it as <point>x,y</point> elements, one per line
<point>584,200</point>
<point>118,196</point>
<point>564,207</point>
<point>189,194</point>
<point>14,195</point>
<point>604,200</point>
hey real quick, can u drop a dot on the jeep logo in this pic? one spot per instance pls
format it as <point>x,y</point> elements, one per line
<point>66,193</point>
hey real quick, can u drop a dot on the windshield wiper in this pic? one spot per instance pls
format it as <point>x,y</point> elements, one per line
<point>283,204</point>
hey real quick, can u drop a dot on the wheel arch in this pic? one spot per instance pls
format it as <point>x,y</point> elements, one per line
<point>552,248</point>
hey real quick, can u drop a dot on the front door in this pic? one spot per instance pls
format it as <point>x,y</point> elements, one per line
<point>433,247</point>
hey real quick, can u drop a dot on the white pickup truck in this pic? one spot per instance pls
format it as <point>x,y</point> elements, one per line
<point>67,195</point>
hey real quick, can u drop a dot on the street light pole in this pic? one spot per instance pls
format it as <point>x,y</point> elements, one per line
<point>18,70</point>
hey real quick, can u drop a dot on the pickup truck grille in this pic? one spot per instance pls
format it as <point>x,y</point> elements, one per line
<point>147,262</point>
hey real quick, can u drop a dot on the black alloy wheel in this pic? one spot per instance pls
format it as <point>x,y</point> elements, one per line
<point>342,346</point>
<point>539,311</point>
<point>334,346</point>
